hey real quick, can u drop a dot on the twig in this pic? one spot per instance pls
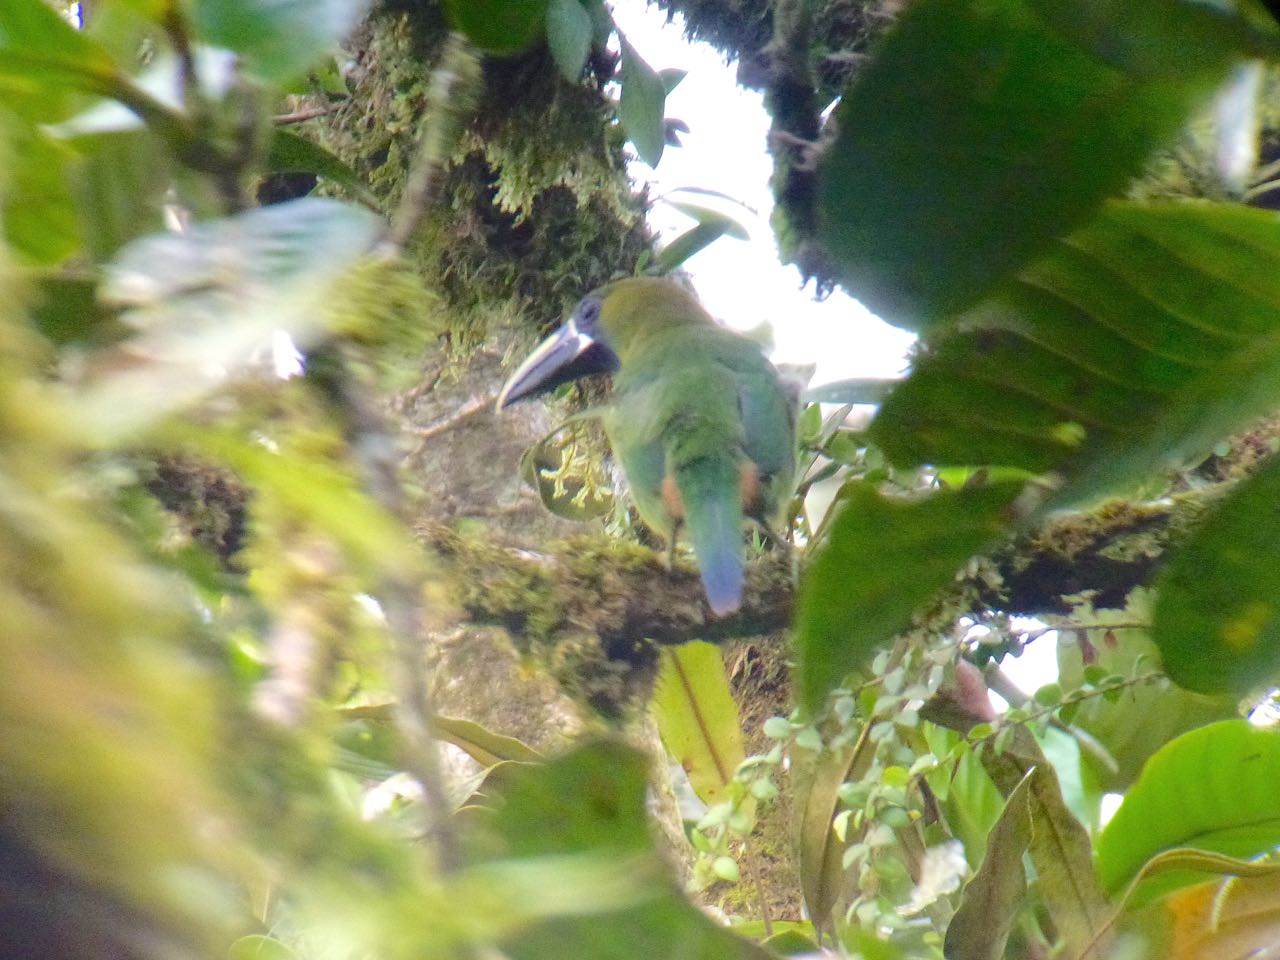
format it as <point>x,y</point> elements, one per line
<point>449,99</point>
<point>400,591</point>
<point>463,413</point>
<point>298,116</point>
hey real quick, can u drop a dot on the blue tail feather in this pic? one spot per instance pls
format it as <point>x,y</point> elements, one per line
<point>713,519</point>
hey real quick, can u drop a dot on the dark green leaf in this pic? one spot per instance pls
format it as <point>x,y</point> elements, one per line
<point>989,904</point>
<point>67,311</point>
<point>569,37</point>
<point>858,390</point>
<point>697,717</point>
<point>1212,789</point>
<point>279,38</point>
<point>1138,340</point>
<point>291,153</point>
<point>886,557</point>
<point>1059,848</point>
<point>499,27</point>
<point>1020,118</point>
<point>1217,615</point>
<point>642,108</point>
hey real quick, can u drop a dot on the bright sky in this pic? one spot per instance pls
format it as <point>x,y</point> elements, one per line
<point>740,282</point>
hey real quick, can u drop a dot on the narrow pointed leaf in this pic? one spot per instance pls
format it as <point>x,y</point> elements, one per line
<point>1060,849</point>
<point>290,153</point>
<point>641,111</point>
<point>697,717</point>
<point>989,903</point>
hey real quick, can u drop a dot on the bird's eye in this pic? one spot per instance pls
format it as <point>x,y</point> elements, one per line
<point>588,314</point>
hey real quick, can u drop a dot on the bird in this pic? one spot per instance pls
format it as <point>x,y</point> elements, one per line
<point>701,423</point>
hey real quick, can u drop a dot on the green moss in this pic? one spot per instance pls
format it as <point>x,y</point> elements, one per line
<point>533,205</point>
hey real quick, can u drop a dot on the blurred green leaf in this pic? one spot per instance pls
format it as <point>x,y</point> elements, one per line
<point>257,947</point>
<point>278,38</point>
<point>886,557</point>
<point>291,153</point>
<point>642,109</point>
<point>1213,789</point>
<point>697,717</point>
<point>120,180</point>
<point>37,207</point>
<point>591,801</point>
<point>499,27</point>
<point>1138,340</point>
<point>1217,613</point>
<point>569,33</point>
<point>207,298</point>
<point>989,902</point>
<point>1021,117</point>
<point>41,54</point>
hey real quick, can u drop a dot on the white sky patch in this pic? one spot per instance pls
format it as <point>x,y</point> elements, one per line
<point>742,282</point>
<point>1038,663</point>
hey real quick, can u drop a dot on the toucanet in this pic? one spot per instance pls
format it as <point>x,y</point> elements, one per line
<point>700,421</point>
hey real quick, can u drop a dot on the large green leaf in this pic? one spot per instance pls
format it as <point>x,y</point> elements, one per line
<point>697,717</point>
<point>591,801</point>
<point>984,128</point>
<point>1137,340</point>
<point>1217,615</point>
<point>1213,789</point>
<point>279,38</point>
<point>500,27</point>
<point>1136,722</point>
<point>885,558</point>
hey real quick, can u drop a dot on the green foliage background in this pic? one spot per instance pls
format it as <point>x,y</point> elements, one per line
<point>220,735</point>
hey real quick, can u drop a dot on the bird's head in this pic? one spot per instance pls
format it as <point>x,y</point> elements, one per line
<point>603,328</point>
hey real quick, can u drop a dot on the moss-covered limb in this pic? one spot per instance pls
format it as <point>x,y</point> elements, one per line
<point>1104,553</point>
<point>599,586</point>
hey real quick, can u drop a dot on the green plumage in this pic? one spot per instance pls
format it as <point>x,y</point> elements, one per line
<point>700,421</point>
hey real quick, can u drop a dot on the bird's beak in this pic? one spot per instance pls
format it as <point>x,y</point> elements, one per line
<point>566,355</point>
